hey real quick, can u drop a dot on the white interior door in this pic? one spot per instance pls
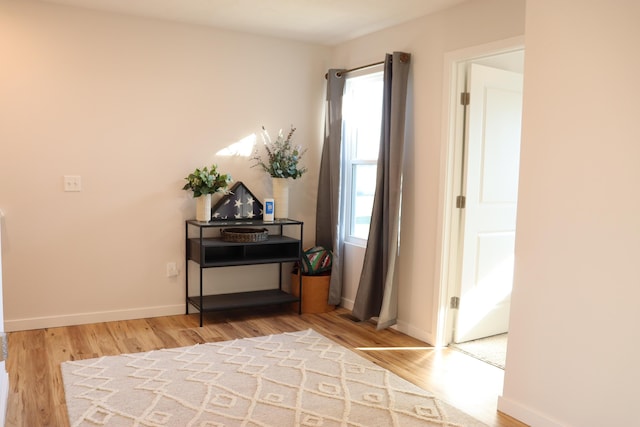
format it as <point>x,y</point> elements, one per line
<point>491,191</point>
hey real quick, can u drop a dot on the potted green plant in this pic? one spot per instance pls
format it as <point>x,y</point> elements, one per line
<point>281,163</point>
<point>203,183</point>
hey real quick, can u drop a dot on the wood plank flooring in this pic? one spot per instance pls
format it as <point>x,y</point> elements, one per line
<point>36,395</point>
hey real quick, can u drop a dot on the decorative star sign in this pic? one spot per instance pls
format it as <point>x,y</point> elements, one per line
<point>240,204</point>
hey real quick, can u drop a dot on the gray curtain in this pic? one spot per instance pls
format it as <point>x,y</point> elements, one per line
<point>329,232</point>
<point>377,294</point>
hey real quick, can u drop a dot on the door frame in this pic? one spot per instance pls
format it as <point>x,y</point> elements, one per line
<point>447,245</point>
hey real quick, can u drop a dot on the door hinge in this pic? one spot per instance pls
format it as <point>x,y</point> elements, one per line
<point>465,98</point>
<point>455,303</point>
<point>461,202</point>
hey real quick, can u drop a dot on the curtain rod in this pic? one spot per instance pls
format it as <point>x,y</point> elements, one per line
<point>356,69</point>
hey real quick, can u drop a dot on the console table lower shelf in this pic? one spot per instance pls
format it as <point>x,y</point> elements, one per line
<point>242,300</point>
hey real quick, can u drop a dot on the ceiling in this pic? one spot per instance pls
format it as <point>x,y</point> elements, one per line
<point>318,21</point>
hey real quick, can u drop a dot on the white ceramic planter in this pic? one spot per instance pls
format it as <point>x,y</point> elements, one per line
<point>203,208</point>
<point>281,197</point>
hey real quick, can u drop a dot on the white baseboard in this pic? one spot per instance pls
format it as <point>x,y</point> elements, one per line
<point>525,414</point>
<point>415,332</point>
<point>141,313</point>
<point>401,326</point>
<point>95,317</point>
<point>346,303</point>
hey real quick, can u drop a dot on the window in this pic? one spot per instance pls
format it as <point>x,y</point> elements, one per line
<point>361,114</point>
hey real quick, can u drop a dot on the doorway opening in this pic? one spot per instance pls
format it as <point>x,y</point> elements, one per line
<point>480,200</point>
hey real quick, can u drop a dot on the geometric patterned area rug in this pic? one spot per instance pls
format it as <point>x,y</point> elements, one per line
<point>290,379</point>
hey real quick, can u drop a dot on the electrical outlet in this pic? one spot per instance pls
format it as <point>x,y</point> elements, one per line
<point>172,269</point>
<point>72,183</point>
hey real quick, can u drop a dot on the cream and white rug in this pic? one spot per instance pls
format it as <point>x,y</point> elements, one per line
<point>291,379</point>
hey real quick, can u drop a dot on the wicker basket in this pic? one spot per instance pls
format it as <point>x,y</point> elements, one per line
<point>315,292</point>
<point>244,235</point>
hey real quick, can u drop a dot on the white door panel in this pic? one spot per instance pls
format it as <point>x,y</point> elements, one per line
<point>491,187</point>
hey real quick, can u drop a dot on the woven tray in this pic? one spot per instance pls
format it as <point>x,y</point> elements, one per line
<point>244,235</point>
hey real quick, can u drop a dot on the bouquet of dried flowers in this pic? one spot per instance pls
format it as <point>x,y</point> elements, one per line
<point>282,156</point>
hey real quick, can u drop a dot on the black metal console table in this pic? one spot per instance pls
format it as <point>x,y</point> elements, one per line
<point>205,247</point>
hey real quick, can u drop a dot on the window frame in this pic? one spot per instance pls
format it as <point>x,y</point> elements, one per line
<point>351,162</point>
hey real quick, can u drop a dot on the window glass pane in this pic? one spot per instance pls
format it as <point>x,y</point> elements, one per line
<point>364,186</point>
<point>363,111</point>
<point>369,115</point>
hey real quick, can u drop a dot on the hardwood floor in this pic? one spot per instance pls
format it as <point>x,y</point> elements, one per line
<point>36,396</point>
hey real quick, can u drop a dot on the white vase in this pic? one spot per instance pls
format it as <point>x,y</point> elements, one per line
<point>203,208</point>
<point>281,197</point>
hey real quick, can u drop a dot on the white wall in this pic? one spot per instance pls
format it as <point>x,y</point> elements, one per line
<point>132,105</point>
<point>573,344</point>
<point>428,39</point>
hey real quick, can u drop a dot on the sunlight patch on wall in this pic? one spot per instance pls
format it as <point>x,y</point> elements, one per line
<point>242,148</point>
